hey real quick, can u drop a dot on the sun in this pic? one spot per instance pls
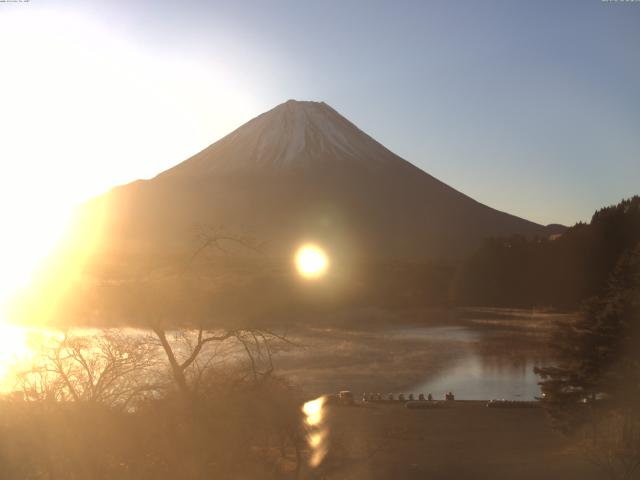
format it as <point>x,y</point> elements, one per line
<point>311,261</point>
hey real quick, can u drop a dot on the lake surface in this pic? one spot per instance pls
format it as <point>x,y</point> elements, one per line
<point>473,379</point>
<point>479,359</point>
<point>490,368</point>
<point>482,356</point>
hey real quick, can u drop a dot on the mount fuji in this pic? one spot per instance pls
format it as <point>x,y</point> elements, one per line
<point>303,172</point>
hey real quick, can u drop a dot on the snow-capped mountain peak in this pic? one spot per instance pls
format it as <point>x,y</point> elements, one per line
<point>293,135</point>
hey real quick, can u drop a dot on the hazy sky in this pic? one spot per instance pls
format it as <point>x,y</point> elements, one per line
<point>530,107</point>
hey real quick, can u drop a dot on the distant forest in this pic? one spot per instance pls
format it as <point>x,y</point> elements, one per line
<point>560,272</point>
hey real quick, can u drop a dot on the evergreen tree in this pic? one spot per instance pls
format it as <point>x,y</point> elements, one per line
<point>595,389</point>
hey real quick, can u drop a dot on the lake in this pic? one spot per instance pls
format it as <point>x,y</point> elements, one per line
<point>476,354</point>
<point>484,354</point>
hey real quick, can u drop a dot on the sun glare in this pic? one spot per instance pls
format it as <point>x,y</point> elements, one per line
<point>14,350</point>
<point>311,261</point>
<point>94,123</point>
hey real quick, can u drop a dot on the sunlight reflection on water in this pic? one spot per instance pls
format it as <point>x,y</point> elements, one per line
<point>483,371</point>
<point>316,430</point>
<point>473,379</point>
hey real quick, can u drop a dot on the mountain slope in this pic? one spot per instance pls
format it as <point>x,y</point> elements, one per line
<point>303,172</point>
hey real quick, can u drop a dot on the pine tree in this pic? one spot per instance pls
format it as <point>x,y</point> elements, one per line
<point>595,389</point>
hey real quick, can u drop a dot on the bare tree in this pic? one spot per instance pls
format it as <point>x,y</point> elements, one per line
<point>179,366</point>
<point>189,351</point>
<point>111,367</point>
<point>189,354</point>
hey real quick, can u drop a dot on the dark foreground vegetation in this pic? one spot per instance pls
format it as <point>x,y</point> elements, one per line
<point>595,390</point>
<point>119,405</point>
<point>240,433</point>
<point>460,440</point>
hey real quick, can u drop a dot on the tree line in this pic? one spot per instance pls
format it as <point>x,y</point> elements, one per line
<point>560,272</point>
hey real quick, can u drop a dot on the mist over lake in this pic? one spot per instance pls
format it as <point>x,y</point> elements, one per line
<point>478,354</point>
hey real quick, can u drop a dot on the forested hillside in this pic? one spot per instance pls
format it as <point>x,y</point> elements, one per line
<point>559,272</point>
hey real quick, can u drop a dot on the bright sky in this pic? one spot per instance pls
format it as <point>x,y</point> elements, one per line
<point>529,107</point>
